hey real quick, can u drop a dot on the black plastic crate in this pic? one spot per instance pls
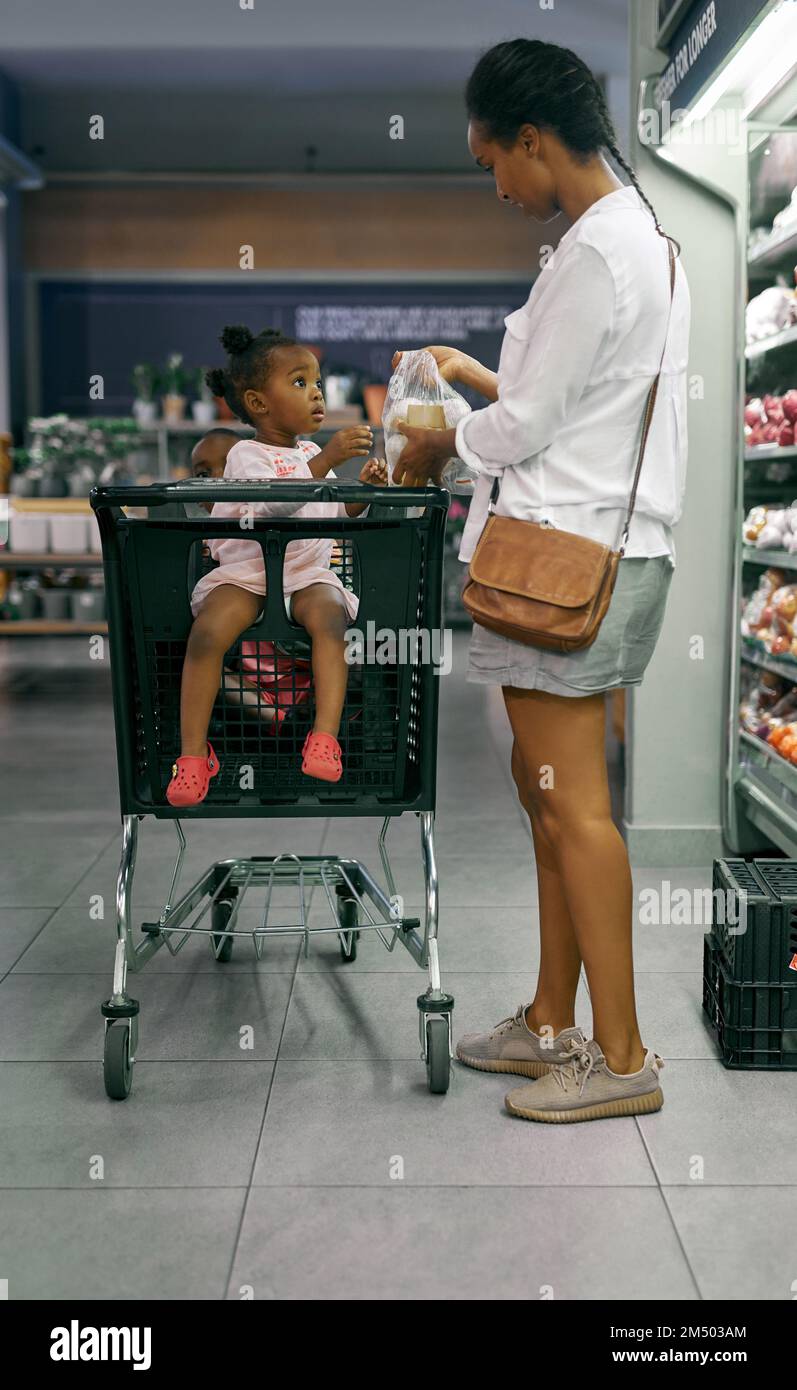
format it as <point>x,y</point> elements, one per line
<point>755,1023</point>
<point>762,898</point>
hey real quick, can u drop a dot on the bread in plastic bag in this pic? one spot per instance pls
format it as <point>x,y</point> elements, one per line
<point>418,394</point>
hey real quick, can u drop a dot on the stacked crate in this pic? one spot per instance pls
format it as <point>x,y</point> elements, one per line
<point>750,963</point>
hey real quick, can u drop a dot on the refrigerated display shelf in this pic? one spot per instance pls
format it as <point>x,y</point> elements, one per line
<point>770,453</point>
<point>779,666</point>
<point>780,247</point>
<point>778,340</point>
<point>779,559</point>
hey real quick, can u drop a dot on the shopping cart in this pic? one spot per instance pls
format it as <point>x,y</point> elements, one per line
<point>153,552</point>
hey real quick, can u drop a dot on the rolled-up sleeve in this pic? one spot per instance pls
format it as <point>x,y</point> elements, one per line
<point>563,335</point>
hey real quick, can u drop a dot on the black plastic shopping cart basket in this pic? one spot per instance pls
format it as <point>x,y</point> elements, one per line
<point>154,550</point>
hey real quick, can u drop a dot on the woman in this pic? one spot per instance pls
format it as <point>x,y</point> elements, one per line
<point>562,435</point>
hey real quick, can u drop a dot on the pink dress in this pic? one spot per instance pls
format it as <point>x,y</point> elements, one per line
<point>241,561</point>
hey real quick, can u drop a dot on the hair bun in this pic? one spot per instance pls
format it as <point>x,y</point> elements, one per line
<point>216,380</point>
<point>236,338</point>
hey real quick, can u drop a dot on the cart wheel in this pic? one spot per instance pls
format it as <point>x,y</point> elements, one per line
<point>438,1061</point>
<point>220,914</point>
<point>117,1067</point>
<point>347,916</point>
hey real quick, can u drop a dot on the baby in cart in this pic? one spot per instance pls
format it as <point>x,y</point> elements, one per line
<point>272,383</point>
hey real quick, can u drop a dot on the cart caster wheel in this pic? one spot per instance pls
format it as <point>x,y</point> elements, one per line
<point>438,1061</point>
<point>347,916</point>
<point>117,1067</point>
<point>220,914</point>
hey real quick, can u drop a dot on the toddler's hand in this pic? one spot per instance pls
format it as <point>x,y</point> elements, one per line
<point>375,473</point>
<point>355,442</point>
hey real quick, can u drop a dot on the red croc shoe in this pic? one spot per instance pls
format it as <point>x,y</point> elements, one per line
<point>191,778</point>
<point>322,757</point>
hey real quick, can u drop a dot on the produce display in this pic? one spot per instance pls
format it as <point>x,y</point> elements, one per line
<point>768,616</point>
<point>769,711</point>
<point>770,420</point>
<point>771,528</point>
<point>769,312</point>
<point>783,222</point>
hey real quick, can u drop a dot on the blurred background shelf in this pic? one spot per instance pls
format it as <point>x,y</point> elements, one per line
<point>20,560</point>
<point>42,627</point>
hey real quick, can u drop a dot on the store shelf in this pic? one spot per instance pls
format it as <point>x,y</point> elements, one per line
<point>782,559</point>
<point>32,627</point>
<point>778,340</point>
<point>781,246</point>
<point>31,560</point>
<point>779,666</point>
<point>62,506</point>
<point>770,453</point>
<point>764,756</point>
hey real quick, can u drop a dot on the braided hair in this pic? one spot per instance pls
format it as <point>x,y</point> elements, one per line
<point>248,364</point>
<point>528,82</point>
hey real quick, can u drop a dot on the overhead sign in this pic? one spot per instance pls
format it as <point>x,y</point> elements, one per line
<point>670,14</point>
<point>705,36</point>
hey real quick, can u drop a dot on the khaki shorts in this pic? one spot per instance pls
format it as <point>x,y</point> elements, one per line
<point>617,658</point>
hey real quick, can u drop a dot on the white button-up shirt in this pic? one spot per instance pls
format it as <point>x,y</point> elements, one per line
<point>577,362</point>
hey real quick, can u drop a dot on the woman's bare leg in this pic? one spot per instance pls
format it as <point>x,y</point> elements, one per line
<point>566,735</point>
<point>226,613</point>
<point>323,613</point>
<point>554,1001</point>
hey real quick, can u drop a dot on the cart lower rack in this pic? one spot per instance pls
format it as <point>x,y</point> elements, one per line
<point>153,541</point>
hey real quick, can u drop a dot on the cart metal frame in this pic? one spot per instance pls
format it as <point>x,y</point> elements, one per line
<point>211,906</point>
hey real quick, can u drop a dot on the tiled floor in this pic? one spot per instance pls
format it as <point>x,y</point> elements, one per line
<point>315,1163</point>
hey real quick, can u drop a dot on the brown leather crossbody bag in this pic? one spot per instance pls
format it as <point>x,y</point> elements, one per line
<point>544,587</point>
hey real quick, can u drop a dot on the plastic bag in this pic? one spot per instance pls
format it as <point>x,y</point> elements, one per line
<point>418,394</point>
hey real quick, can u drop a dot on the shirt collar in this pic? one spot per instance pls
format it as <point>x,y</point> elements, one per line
<point>625,197</point>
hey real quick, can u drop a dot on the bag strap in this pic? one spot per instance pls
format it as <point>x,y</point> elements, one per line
<point>650,403</point>
<point>648,415</point>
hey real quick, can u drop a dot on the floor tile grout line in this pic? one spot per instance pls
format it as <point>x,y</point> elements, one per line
<point>389,1186</point>
<point>679,1239</point>
<point>72,890</point>
<point>297,1057</point>
<point>256,1151</point>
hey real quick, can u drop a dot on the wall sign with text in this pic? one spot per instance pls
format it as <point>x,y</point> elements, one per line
<point>707,33</point>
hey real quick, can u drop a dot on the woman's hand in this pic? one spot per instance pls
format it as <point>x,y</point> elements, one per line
<point>454,365</point>
<point>449,361</point>
<point>424,456</point>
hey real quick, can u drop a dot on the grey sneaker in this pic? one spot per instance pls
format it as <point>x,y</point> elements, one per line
<point>585,1089</point>
<point>513,1046</point>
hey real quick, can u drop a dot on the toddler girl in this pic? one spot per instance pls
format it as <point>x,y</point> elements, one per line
<point>272,383</point>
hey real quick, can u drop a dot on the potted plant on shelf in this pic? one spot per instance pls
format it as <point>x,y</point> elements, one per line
<point>203,408</point>
<point>145,381</point>
<point>174,381</point>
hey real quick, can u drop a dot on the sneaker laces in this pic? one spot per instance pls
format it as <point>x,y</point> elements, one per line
<point>580,1066</point>
<point>514,1018</point>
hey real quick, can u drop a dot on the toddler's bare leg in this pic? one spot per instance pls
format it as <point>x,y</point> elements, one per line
<point>226,613</point>
<point>321,610</point>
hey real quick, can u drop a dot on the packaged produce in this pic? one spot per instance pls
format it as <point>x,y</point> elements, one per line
<point>770,420</point>
<point>757,611</point>
<point>418,394</point>
<point>757,705</point>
